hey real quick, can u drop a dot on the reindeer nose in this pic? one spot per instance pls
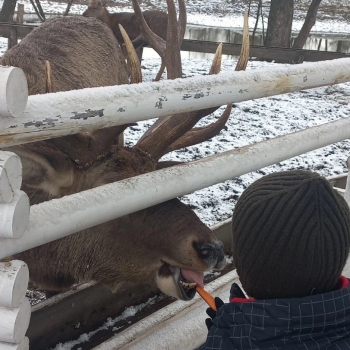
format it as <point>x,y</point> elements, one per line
<point>212,254</point>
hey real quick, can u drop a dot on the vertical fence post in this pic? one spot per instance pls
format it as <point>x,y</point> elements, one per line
<point>20,13</point>
<point>12,40</point>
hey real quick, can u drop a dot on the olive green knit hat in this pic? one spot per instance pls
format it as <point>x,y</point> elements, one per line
<point>291,236</point>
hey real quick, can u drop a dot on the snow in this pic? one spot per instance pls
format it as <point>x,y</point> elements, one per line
<point>179,320</point>
<point>258,120</point>
<point>128,312</point>
<point>250,122</point>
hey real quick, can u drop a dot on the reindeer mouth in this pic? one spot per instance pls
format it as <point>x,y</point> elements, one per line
<point>181,283</point>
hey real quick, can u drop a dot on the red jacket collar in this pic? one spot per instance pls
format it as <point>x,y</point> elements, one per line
<point>343,282</point>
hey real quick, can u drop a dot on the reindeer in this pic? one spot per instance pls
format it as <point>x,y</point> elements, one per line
<point>165,245</point>
<point>156,20</point>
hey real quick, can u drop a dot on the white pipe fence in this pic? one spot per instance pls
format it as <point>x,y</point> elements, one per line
<point>63,113</point>
<point>13,92</point>
<point>52,115</point>
<point>58,218</point>
<point>178,326</point>
<point>15,309</point>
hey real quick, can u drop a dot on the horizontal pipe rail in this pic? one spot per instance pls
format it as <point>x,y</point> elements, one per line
<point>183,320</point>
<point>60,217</point>
<point>63,113</point>
<point>178,326</point>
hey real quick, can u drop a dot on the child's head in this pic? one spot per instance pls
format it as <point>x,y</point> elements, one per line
<point>291,236</point>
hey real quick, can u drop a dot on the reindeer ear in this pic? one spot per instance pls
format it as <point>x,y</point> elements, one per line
<point>45,168</point>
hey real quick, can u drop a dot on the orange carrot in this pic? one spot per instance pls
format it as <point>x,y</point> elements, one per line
<point>209,299</point>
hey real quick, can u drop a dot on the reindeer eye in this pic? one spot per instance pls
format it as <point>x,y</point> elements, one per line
<point>204,252</point>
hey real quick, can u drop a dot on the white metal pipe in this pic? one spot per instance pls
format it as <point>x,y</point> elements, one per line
<point>6,193</point>
<point>53,115</point>
<point>14,278</point>
<point>14,216</point>
<point>178,326</point>
<point>60,217</point>
<point>14,322</point>
<point>13,93</point>
<point>10,175</point>
<point>23,345</point>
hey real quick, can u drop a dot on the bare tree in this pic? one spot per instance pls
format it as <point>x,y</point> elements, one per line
<point>156,20</point>
<point>258,13</point>
<point>279,28</point>
<point>38,10</point>
<point>308,24</point>
<point>69,5</point>
<point>7,11</point>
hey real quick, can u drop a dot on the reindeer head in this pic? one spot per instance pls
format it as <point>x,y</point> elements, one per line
<point>97,9</point>
<point>165,244</point>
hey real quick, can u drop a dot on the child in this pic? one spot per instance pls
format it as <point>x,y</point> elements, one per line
<point>291,238</point>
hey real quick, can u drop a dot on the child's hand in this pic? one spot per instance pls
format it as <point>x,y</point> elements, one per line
<point>212,313</point>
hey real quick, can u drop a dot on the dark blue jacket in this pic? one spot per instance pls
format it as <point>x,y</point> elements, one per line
<point>315,322</point>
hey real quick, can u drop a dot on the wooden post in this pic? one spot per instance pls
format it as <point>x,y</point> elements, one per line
<point>20,13</point>
<point>14,278</point>
<point>12,40</point>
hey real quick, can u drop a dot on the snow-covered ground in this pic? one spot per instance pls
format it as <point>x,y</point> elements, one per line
<point>258,120</point>
<point>251,121</point>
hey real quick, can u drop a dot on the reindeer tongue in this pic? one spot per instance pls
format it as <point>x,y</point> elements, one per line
<point>193,276</point>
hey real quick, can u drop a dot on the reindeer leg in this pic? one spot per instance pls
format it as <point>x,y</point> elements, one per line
<point>139,52</point>
<point>160,72</point>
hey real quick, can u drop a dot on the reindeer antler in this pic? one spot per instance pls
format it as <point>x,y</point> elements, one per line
<point>198,135</point>
<point>171,132</point>
<point>175,34</point>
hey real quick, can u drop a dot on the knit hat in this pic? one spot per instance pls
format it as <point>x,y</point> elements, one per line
<point>291,236</point>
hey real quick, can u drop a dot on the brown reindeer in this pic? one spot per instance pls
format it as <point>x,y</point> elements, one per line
<point>156,20</point>
<point>166,244</point>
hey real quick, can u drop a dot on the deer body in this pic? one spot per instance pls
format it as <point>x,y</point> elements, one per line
<point>134,248</point>
<point>73,67</point>
<point>151,246</point>
<point>156,20</point>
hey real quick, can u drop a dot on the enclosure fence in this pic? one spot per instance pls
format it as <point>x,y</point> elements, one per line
<point>31,118</point>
